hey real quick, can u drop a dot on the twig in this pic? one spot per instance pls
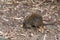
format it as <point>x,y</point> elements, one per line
<point>44,38</point>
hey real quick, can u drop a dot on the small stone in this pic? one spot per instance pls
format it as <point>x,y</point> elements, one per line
<point>1,33</point>
<point>32,34</point>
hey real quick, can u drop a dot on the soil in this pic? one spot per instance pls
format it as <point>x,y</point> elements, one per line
<point>13,13</point>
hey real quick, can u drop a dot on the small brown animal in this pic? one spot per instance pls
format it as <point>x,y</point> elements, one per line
<point>34,21</point>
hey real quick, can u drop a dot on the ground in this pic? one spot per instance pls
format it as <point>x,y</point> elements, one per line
<point>12,16</point>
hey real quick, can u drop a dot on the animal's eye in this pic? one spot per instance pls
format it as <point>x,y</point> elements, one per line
<point>33,26</point>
